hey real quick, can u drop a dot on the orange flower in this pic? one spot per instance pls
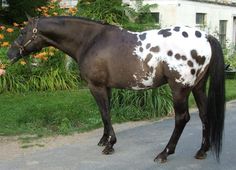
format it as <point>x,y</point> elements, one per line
<point>2,27</point>
<point>5,44</point>
<point>15,24</point>
<point>10,30</point>
<point>23,62</point>
<point>1,36</point>
<point>40,55</point>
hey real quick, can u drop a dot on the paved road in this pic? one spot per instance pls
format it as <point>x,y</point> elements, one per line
<point>135,150</point>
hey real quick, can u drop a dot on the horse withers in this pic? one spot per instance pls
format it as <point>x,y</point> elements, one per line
<point>111,57</point>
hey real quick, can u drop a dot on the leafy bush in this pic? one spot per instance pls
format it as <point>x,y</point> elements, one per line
<point>40,72</point>
<point>142,104</point>
<point>231,60</point>
<point>18,8</point>
<point>116,13</point>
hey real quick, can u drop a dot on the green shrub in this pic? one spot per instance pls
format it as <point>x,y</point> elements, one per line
<point>116,13</point>
<point>17,9</point>
<point>142,104</point>
<point>39,74</point>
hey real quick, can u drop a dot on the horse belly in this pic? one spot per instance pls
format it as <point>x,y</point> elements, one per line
<point>135,74</point>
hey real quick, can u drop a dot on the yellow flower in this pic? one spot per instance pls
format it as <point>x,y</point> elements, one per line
<point>51,6</point>
<point>10,30</point>
<point>51,53</point>
<point>5,44</point>
<point>44,8</point>
<point>2,66</point>
<point>51,48</point>
<point>25,22</point>
<point>55,13</point>
<point>1,36</point>
<point>23,62</point>
<point>15,24</point>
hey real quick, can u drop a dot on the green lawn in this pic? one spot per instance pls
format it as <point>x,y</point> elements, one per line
<point>48,112</point>
<point>62,112</point>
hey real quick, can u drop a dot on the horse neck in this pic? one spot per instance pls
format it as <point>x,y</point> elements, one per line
<point>70,35</point>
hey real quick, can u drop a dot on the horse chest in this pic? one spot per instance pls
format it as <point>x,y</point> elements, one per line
<point>184,51</point>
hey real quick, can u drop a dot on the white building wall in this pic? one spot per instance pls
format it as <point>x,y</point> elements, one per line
<point>214,13</point>
<point>183,12</point>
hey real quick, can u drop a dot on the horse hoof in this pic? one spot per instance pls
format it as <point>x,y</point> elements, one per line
<point>108,150</point>
<point>160,159</point>
<point>201,155</point>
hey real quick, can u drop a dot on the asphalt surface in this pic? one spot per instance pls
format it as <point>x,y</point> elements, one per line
<point>136,149</point>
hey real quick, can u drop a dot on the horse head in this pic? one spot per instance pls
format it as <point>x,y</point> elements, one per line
<point>27,42</point>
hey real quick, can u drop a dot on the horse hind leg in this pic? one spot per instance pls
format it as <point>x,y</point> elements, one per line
<point>199,94</point>
<point>102,97</point>
<point>105,138</point>
<point>180,100</point>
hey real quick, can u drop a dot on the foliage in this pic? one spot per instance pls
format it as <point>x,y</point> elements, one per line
<point>46,70</point>
<point>53,8</point>
<point>230,56</point>
<point>7,35</point>
<point>63,112</point>
<point>17,9</point>
<point>231,60</point>
<point>57,112</point>
<point>116,13</point>
<point>155,103</point>
<point>40,72</point>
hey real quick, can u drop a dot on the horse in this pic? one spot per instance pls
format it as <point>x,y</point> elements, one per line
<point>112,57</point>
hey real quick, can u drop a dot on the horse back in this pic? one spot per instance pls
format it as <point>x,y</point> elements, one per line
<point>141,60</point>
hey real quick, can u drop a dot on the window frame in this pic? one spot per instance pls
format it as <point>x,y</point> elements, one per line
<point>222,32</point>
<point>201,22</point>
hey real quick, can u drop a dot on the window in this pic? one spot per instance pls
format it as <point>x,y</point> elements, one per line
<point>201,20</point>
<point>4,3</point>
<point>68,3</point>
<point>156,16</point>
<point>222,32</point>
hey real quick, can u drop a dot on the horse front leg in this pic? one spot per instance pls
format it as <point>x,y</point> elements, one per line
<point>180,101</point>
<point>102,97</point>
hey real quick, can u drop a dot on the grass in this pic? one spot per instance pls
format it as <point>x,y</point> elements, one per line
<point>48,112</point>
<point>64,112</point>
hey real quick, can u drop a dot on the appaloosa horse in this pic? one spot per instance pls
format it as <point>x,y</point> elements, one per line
<point>111,57</point>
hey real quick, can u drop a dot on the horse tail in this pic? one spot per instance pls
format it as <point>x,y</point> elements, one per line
<point>216,97</point>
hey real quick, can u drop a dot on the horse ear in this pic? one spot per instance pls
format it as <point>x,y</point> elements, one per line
<point>28,17</point>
